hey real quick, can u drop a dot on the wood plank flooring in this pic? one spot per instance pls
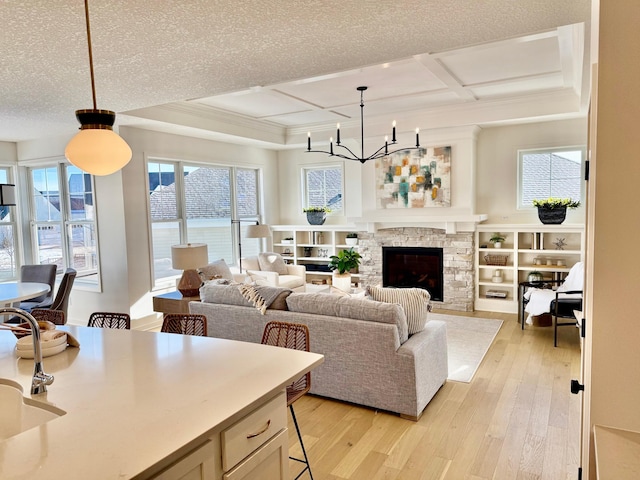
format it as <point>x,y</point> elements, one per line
<point>516,420</point>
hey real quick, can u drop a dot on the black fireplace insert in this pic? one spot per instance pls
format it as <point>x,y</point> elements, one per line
<point>419,267</point>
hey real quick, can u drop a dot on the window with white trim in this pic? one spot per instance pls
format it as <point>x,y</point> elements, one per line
<point>195,204</point>
<point>63,220</point>
<point>8,231</point>
<point>551,172</point>
<point>322,186</point>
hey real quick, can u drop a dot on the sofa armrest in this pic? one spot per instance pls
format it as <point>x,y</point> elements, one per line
<point>298,271</point>
<point>270,277</point>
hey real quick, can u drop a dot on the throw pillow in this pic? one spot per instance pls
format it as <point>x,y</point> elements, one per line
<point>414,302</point>
<point>217,269</point>
<point>272,262</point>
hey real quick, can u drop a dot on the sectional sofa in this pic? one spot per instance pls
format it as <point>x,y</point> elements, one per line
<point>369,357</point>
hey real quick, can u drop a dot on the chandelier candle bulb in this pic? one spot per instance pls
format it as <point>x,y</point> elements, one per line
<point>331,145</point>
<point>338,134</point>
<point>417,137</point>
<point>309,141</point>
<point>393,136</point>
<point>386,144</point>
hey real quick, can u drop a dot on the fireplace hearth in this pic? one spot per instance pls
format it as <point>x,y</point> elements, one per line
<point>418,267</point>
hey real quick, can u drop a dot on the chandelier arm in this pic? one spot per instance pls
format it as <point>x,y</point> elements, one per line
<point>93,81</point>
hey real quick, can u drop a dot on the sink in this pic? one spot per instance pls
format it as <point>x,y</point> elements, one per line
<point>19,413</point>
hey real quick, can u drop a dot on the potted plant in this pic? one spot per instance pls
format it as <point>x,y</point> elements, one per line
<point>497,239</point>
<point>553,211</point>
<point>351,239</point>
<point>316,215</point>
<point>535,276</point>
<point>341,266</point>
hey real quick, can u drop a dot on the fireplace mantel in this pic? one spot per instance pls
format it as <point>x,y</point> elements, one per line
<point>449,223</point>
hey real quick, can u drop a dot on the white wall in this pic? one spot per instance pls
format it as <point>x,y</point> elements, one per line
<point>146,144</point>
<point>8,152</point>
<point>497,166</point>
<point>121,200</point>
<point>612,383</point>
<point>360,188</point>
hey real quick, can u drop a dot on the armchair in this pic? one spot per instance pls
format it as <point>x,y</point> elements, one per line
<point>271,269</point>
<point>561,303</point>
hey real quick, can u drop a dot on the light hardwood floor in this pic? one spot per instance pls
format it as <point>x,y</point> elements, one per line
<point>516,420</point>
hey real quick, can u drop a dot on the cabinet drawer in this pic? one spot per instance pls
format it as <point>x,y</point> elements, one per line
<point>269,462</point>
<point>252,431</point>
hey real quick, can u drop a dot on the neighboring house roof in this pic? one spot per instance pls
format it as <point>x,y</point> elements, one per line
<point>206,191</point>
<point>562,172</point>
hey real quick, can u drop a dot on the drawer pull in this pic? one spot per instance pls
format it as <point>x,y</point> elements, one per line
<point>266,427</point>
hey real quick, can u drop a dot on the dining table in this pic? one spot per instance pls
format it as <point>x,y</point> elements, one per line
<point>14,292</point>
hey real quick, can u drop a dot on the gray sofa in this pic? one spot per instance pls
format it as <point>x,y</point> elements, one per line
<point>368,358</point>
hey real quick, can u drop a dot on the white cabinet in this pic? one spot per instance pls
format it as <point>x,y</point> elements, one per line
<point>311,246</point>
<point>254,447</point>
<point>549,249</point>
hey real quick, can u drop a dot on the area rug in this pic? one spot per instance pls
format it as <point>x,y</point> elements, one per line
<point>468,340</point>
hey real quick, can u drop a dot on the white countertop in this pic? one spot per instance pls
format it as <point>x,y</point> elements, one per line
<point>134,398</point>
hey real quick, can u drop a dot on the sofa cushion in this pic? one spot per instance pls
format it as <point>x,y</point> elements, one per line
<point>349,307</point>
<point>272,262</point>
<point>217,269</point>
<point>251,263</point>
<point>414,302</point>
<point>275,297</point>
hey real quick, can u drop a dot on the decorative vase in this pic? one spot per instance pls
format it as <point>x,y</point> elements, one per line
<point>552,216</point>
<point>316,218</point>
<point>535,277</point>
<point>351,241</point>
<point>341,281</point>
<point>497,245</point>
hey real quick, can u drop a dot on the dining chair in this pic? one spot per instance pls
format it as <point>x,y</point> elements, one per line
<point>38,274</point>
<point>56,317</point>
<point>61,302</point>
<point>294,336</point>
<point>110,320</point>
<point>185,323</point>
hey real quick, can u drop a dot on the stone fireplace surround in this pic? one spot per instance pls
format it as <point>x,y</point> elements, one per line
<point>458,251</point>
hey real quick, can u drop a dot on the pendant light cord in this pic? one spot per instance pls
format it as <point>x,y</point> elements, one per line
<point>93,82</point>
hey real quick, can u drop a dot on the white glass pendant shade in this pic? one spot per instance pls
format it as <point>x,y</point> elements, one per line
<point>98,151</point>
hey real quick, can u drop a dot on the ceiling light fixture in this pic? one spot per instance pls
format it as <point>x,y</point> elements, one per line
<point>383,151</point>
<point>96,149</point>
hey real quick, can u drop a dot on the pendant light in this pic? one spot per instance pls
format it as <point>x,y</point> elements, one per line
<point>96,149</point>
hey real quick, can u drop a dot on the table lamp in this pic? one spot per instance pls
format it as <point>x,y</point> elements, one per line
<point>188,257</point>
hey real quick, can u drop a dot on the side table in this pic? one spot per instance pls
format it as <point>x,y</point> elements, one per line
<point>172,302</point>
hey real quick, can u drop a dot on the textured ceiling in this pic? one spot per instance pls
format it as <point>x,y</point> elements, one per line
<point>154,52</point>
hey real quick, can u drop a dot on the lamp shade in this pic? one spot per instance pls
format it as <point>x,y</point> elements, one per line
<point>98,151</point>
<point>189,256</point>
<point>258,231</point>
<point>7,194</point>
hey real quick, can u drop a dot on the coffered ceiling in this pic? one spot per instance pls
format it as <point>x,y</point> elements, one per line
<point>266,72</point>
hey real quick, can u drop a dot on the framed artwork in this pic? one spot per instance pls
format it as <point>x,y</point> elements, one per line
<point>417,178</point>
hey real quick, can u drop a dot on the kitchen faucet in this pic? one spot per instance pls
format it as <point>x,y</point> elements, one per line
<point>40,379</point>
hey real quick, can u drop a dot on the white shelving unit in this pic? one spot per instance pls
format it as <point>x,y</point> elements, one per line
<point>524,245</point>
<point>312,245</point>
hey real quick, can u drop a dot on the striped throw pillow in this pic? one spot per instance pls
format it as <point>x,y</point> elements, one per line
<point>414,302</point>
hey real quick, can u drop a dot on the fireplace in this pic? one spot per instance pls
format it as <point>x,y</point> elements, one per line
<point>419,267</point>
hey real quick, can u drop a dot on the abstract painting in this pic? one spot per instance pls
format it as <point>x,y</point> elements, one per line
<point>414,178</point>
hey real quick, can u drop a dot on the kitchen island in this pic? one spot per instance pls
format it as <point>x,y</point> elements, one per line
<point>153,405</point>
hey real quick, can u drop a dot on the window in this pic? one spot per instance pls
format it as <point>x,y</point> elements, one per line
<point>63,220</point>
<point>549,173</point>
<point>8,254</point>
<point>195,204</point>
<point>323,187</point>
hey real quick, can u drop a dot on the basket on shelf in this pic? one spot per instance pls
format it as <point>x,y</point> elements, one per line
<point>496,259</point>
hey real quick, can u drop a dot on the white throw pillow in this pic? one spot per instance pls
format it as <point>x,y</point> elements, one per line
<point>272,262</point>
<point>217,269</point>
<point>414,302</point>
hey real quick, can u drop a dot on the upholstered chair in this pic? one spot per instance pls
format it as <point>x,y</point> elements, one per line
<point>270,269</point>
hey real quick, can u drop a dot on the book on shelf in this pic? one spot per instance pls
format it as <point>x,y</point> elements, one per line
<point>496,294</point>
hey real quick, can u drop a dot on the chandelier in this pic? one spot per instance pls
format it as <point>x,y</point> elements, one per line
<point>383,151</point>
<point>96,149</point>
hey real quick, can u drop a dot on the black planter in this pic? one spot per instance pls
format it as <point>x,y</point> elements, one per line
<point>316,218</point>
<point>552,216</point>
